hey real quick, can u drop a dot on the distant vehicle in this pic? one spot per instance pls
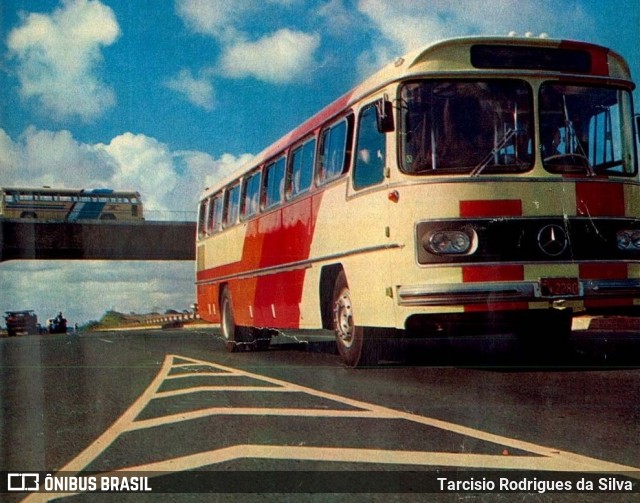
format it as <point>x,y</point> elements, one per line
<point>70,204</point>
<point>21,323</point>
<point>57,325</point>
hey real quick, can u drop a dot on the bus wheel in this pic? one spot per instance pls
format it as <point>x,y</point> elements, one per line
<point>227,322</point>
<point>353,345</point>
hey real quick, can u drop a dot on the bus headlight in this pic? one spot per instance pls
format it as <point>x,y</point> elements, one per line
<point>628,240</point>
<point>450,242</point>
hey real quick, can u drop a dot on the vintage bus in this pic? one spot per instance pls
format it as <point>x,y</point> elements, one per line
<point>477,180</point>
<point>70,204</point>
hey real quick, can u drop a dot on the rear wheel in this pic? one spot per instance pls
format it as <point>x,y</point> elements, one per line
<point>355,348</point>
<point>240,338</point>
<point>227,322</point>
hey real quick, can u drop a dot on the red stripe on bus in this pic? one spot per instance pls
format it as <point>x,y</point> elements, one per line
<point>599,55</point>
<point>600,199</point>
<point>288,234</point>
<point>277,238</point>
<point>483,273</point>
<point>491,208</point>
<point>488,273</point>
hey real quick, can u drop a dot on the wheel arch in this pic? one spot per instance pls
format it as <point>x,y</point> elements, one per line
<point>328,277</point>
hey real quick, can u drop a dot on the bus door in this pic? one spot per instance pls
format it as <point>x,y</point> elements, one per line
<point>369,201</point>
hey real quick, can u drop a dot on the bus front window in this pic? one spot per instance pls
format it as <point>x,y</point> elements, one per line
<point>586,129</point>
<point>467,127</point>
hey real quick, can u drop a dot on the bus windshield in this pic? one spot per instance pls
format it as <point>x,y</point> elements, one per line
<point>466,126</point>
<point>582,129</point>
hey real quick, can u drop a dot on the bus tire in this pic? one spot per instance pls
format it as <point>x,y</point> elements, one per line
<point>228,326</point>
<point>355,348</point>
<point>237,338</point>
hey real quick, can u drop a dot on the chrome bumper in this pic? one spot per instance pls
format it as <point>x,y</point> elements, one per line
<point>512,291</point>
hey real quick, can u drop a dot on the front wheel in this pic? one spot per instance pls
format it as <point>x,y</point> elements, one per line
<point>355,348</point>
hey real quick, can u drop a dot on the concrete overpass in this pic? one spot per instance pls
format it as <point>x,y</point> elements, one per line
<point>96,240</point>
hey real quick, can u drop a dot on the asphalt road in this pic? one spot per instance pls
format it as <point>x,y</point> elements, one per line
<point>165,401</point>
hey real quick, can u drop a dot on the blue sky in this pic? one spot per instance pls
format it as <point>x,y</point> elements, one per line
<point>167,97</point>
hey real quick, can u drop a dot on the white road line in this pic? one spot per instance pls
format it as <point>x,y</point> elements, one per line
<point>200,389</point>
<point>543,458</point>
<point>254,411</point>
<point>200,374</point>
<point>349,455</point>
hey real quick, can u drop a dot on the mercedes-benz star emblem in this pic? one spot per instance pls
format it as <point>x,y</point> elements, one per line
<point>552,240</point>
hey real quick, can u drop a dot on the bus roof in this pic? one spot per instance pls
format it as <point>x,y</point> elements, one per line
<point>465,55</point>
<point>66,191</point>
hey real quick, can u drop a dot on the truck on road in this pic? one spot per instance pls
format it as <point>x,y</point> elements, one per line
<point>21,323</point>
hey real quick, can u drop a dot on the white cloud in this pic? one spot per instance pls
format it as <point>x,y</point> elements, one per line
<point>339,20</point>
<point>278,57</point>
<point>43,157</point>
<point>144,164</point>
<point>58,56</point>
<point>222,19</point>
<point>170,182</point>
<point>215,18</point>
<point>284,56</point>
<point>409,24</point>
<point>197,90</point>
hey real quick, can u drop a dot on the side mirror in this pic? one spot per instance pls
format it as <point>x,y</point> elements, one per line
<point>384,116</point>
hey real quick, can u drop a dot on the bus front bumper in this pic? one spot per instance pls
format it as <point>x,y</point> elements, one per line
<point>546,289</point>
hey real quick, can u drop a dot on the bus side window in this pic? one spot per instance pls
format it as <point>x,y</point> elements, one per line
<point>217,213</point>
<point>251,200</point>
<point>274,183</point>
<point>202,216</point>
<point>370,151</point>
<point>301,175</point>
<point>334,150</point>
<point>209,224</point>
<point>232,206</point>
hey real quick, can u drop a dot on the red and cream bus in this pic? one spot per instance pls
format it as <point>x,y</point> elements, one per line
<point>476,180</point>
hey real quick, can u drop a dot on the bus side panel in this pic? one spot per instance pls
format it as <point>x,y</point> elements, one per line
<point>208,303</point>
<point>352,232</point>
<point>286,242</point>
<point>263,262</point>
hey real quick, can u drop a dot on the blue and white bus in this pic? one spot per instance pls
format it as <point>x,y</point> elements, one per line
<point>70,204</point>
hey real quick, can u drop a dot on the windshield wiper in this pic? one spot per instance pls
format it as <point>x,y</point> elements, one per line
<point>571,139</point>
<point>504,141</point>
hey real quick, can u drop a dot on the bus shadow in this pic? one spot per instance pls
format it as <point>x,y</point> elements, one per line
<point>506,352</point>
<point>503,351</point>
